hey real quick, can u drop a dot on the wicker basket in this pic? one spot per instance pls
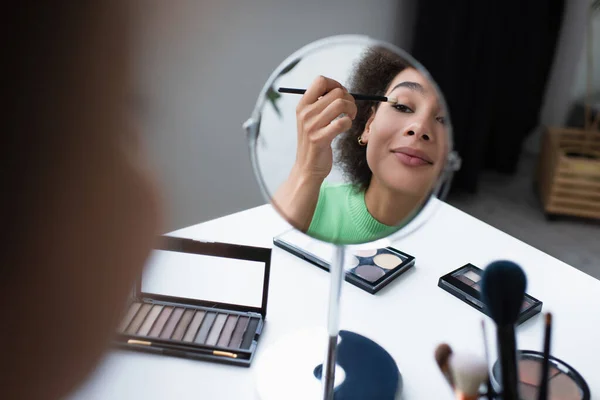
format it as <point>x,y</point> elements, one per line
<point>569,172</point>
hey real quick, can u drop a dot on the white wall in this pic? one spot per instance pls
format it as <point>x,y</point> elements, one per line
<point>201,66</point>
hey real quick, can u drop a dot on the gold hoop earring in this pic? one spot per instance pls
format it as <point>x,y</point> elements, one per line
<point>360,141</point>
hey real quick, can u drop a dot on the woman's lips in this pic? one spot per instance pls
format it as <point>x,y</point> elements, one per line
<point>411,157</point>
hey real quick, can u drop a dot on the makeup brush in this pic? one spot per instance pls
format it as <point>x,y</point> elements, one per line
<point>503,287</point>
<point>543,394</point>
<point>468,372</point>
<point>442,354</point>
<point>356,96</point>
<point>488,384</point>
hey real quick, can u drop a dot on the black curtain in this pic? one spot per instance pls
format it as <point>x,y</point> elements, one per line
<point>491,60</point>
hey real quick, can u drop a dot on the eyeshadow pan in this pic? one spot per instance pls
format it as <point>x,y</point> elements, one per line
<point>161,321</point>
<point>477,286</point>
<point>150,319</point>
<point>227,331</point>
<point>464,280</point>
<point>184,322</point>
<point>472,275</point>
<point>563,387</point>
<point>238,333</point>
<point>249,334</point>
<point>216,329</point>
<point>133,309</point>
<point>139,319</point>
<point>387,261</point>
<point>172,323</point>
<point>530,371</point>
<point>209,318</point>
<point>365,253</point>
<point>190,334</point>
<point>369,272</point>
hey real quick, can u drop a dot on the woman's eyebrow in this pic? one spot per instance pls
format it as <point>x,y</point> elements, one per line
<point>414,86</point>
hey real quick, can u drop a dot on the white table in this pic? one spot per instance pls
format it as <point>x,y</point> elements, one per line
<point>408,318</point>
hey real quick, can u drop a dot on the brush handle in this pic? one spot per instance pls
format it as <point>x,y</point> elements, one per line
<point>356,96</point>
<point>543,393</point>
<point>507,355</point>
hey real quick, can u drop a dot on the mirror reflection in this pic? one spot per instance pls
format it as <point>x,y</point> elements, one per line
<point>353,142</point>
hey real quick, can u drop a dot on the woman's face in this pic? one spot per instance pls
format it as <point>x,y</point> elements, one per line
<point>407,141</point>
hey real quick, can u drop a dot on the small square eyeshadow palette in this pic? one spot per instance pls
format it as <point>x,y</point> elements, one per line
<point>158,322</point>
<point>370,270</point>
<point>464,283</point>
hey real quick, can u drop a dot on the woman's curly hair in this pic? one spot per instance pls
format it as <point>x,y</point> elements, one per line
<point>372,75</point>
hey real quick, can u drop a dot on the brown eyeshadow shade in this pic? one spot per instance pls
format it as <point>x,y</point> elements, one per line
<point>530,371</point>
<point>238,332</point>
<point>150,319</point>
<point>369,272</point>
<point>133,309</point>
<point>184,322</point>
<point>477,286</point>
<point>227,331</point>
<point>190,334</point>
<point>525,305</point>
<point>215,331</point>
<point>172,323</point>
<point>138,320</point>
<point>527,392</point>
<point>160,321</point>
<point>387,261</point>
<point>209,318</point>
<point>562,387</point>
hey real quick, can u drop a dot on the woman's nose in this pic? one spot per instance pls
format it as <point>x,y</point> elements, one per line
<point>418,130</point>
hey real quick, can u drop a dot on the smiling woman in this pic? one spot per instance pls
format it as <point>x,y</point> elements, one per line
<point>391,153</point>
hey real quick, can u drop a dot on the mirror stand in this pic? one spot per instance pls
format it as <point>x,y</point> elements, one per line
<point>333,321</point>
<point>354,366</point>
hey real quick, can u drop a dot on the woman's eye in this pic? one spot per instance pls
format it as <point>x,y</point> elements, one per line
<point>441,120</point>
<point>402,108</point>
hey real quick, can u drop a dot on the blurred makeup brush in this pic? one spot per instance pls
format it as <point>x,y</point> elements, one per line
<point>356,96</point>
<point>442,354</point>
<point>502,290</point>
<point>543,393</point>
<point>468,372</point>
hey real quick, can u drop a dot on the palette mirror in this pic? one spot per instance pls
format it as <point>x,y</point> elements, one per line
<point>351,142</point>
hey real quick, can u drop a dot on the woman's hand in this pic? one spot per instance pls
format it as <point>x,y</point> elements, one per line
<point>316,113</point>
<point>319,120</point>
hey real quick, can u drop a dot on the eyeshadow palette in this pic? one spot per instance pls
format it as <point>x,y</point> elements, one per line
<point>200,329</point>
<point>370,270</point>
<point>564,382</point>
<point>464,283</point>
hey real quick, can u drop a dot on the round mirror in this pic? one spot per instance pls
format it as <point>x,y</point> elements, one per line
<point>350,140</point>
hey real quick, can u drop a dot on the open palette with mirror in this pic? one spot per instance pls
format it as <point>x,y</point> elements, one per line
<point>199,300</point>
<point>368,269</point>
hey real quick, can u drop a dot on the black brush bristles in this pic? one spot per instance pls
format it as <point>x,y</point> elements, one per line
<point>503,287</point>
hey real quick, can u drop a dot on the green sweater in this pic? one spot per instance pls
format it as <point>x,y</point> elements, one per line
<point>341,216</point>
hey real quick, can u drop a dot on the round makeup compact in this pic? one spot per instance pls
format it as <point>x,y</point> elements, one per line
<point>564,382</point>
